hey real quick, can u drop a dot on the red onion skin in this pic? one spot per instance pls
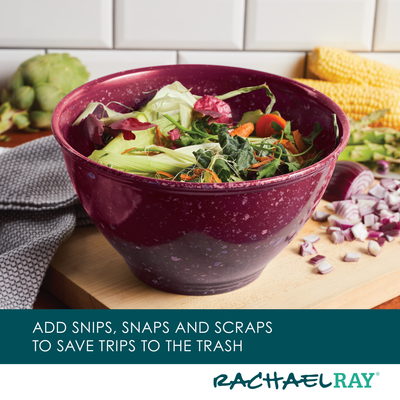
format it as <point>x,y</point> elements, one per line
<point>383,167</point>
<point>381,241</point>
<point>389,238</point>
<point>352,257</point>
<point>320,216</point>
<point>317,260</point>
<point>307,249</point>
<point>345,180</point>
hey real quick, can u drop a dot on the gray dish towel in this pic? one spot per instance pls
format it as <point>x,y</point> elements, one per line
<point>39,209</point>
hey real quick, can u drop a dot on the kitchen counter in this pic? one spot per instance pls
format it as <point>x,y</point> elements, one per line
<point>45,299</point>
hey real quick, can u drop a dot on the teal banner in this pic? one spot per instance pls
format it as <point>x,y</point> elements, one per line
<point>199,337</point>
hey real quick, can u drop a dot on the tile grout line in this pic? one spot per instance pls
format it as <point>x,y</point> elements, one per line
<point>374,26</point>
<point>244,25</point>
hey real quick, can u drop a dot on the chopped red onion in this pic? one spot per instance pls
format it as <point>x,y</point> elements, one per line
<point>348,178</point>
<point>332,229</point>
<point>373,248</point>
<point>365,210</point>
<point>395,217</point>
<point>344,224</point>
<point>385,214</point>
<point>376,226</point>
<point>390,226</point>
<point>347,209</point>
<point>352,257</point>
<point>317,260</point>
<point>359,231</point>
<point>381,241</point>
<point>381,205</point>
<point>330,207</point>
<point>394,208</point>
<point>392,218</point>
<point>337,237</point>
<point>367,202</point>
<point>393,233</point>
<point>324,268</point>
<point>388,184</point>
<point>348,235</point>
<point>311,238</point>
<point>383,167</point>
<point>370,219</point>
<point>374,234</point>
<point>307,249</point>
<point>320,216</point>
<point>378,191</point>
<point>392,200</point>
<point>364,196</point>
<point>389,238</point>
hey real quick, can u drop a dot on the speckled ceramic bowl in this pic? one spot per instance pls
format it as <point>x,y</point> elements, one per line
<point>193,238</point>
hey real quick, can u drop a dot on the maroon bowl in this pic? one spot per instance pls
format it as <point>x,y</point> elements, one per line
<point>196,238</point>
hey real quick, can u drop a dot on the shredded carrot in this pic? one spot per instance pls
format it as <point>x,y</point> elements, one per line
<point>301,146</point>
<point>197,172</point>
<point>244,130</point>
<point>214,176</point>
<point>185,177</point>
<point>128,150</point>
<point>262,158</point>
<point>310,154</point>
<point>287,144</point>
<point>160,136</point>
<point>167,174</point>
<point>259,164</point>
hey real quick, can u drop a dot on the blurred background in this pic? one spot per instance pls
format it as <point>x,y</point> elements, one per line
<point>269,35</point>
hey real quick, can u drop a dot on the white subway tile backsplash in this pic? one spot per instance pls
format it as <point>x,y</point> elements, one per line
<point>11,59</point>
<point>105,62</point>
<point>50,23</point>
<point>387,27</point>
<point>109,36</point>
<point>288,64</point>
<point>305,24</point>
<point>179,24</point>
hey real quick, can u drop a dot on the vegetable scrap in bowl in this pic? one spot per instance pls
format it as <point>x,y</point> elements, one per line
<point>163,160</point>
<point>188,137</point>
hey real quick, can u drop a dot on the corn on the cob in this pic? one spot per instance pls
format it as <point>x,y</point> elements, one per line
<point>359,100</point>
<point>337,65</point>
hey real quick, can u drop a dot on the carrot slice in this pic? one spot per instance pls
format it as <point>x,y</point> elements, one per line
<point>214,176</point>
<point>301,146</point>
<point>167,174</point>
<point>244,130</point>
<point>287,144</point>
<point>128,150</point>
<point>186,178</point>
<point>259,164</point>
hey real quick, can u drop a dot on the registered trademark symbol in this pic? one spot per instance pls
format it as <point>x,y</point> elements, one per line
<point>377,374</point>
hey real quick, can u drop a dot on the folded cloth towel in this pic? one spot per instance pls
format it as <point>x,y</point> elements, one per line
<point>39,209</point>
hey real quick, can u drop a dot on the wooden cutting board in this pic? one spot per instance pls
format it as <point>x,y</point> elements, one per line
<point>88,273</point>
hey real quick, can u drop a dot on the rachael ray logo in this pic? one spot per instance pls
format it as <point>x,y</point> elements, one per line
<point>277,381</point>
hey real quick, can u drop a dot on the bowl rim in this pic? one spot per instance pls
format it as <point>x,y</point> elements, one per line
<point>126,176</point>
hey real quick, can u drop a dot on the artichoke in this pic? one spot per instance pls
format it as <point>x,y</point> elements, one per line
<point>36,88</point>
